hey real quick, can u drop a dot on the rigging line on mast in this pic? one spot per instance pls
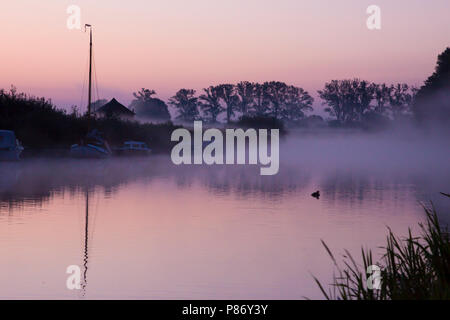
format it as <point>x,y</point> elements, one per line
<point>90,70</point>
<point>95,75</point>
<point>84,83</point>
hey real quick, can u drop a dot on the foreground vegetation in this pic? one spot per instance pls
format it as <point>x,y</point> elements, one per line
<point>414,268</point>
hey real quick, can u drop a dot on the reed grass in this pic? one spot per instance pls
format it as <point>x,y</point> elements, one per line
<point>412,268</point>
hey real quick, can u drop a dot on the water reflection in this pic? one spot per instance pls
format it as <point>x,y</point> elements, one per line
<point>193,232</point>
<point>34,183</point>
<point>86,245</point>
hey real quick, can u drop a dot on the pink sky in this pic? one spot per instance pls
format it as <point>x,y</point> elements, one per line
<point>166,45</point>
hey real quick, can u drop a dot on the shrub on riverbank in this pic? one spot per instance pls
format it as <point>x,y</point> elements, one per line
<point>40,125</point>
<point>260,122</point>
<point>414,268</point>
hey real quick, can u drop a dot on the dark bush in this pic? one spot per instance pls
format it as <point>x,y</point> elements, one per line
<point>261,122</point>
<point>38,124</point>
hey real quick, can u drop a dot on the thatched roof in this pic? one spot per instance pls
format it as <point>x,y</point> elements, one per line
<point>114,107</point>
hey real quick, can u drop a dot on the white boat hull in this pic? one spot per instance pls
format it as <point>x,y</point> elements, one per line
<point>88,152</point>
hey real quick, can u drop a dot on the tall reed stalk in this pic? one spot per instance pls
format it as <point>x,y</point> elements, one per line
<point>413,268</point>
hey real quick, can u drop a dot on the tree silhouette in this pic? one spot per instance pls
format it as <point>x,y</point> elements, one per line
<point>400,99</point>
<point>334,95</point>
<point>228,95</point>
<point>433,98</point>
<point>148,107</point>
<point>347,99</point>
<point>261,103</point>
<point>245,90</point>
<point>295,103</point>
<point>382,96</point>
<point>364,95</point>
<point>144,94</point>
<point>210,103</point>
<point>186,104</point>
<point>276,94</point>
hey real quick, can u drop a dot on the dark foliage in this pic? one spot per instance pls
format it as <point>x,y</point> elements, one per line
<point>276,99</point>
<point>313,121</point>
<point>40,125</point>
<point>261,122</point>
<point>354,102</point>
<point>148,107</point>
<point>210,103</point>
<point>245,91</point>
<point>186,104</point>
<point>432,101</point>
<point>227,93</point>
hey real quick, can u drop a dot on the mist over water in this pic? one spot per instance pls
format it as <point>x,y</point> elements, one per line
<point>163,231</point>
<point>402,156</point>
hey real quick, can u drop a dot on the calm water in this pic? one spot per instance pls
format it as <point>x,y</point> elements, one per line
<point>156,231</point>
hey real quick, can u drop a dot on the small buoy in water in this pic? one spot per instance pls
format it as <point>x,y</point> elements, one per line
<point>316,195</point>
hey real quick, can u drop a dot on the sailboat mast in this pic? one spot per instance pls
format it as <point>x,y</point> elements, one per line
<point>90,71</point>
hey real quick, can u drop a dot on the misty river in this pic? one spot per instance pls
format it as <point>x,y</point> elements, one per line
<point>146,229</point>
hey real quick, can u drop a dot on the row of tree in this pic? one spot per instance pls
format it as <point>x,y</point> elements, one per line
<point>346,100</point>
<point>275,99</point>
<point>352,100</point>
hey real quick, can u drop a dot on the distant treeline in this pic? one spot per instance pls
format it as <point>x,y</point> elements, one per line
<point>348,101</point>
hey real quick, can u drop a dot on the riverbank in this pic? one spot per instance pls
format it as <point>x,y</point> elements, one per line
<point>42,127</point>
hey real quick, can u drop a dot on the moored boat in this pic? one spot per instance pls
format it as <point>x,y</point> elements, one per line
<point>133,148</point>
<point>92,147</point>
<point>10,147</point>
<point>88,151</point>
